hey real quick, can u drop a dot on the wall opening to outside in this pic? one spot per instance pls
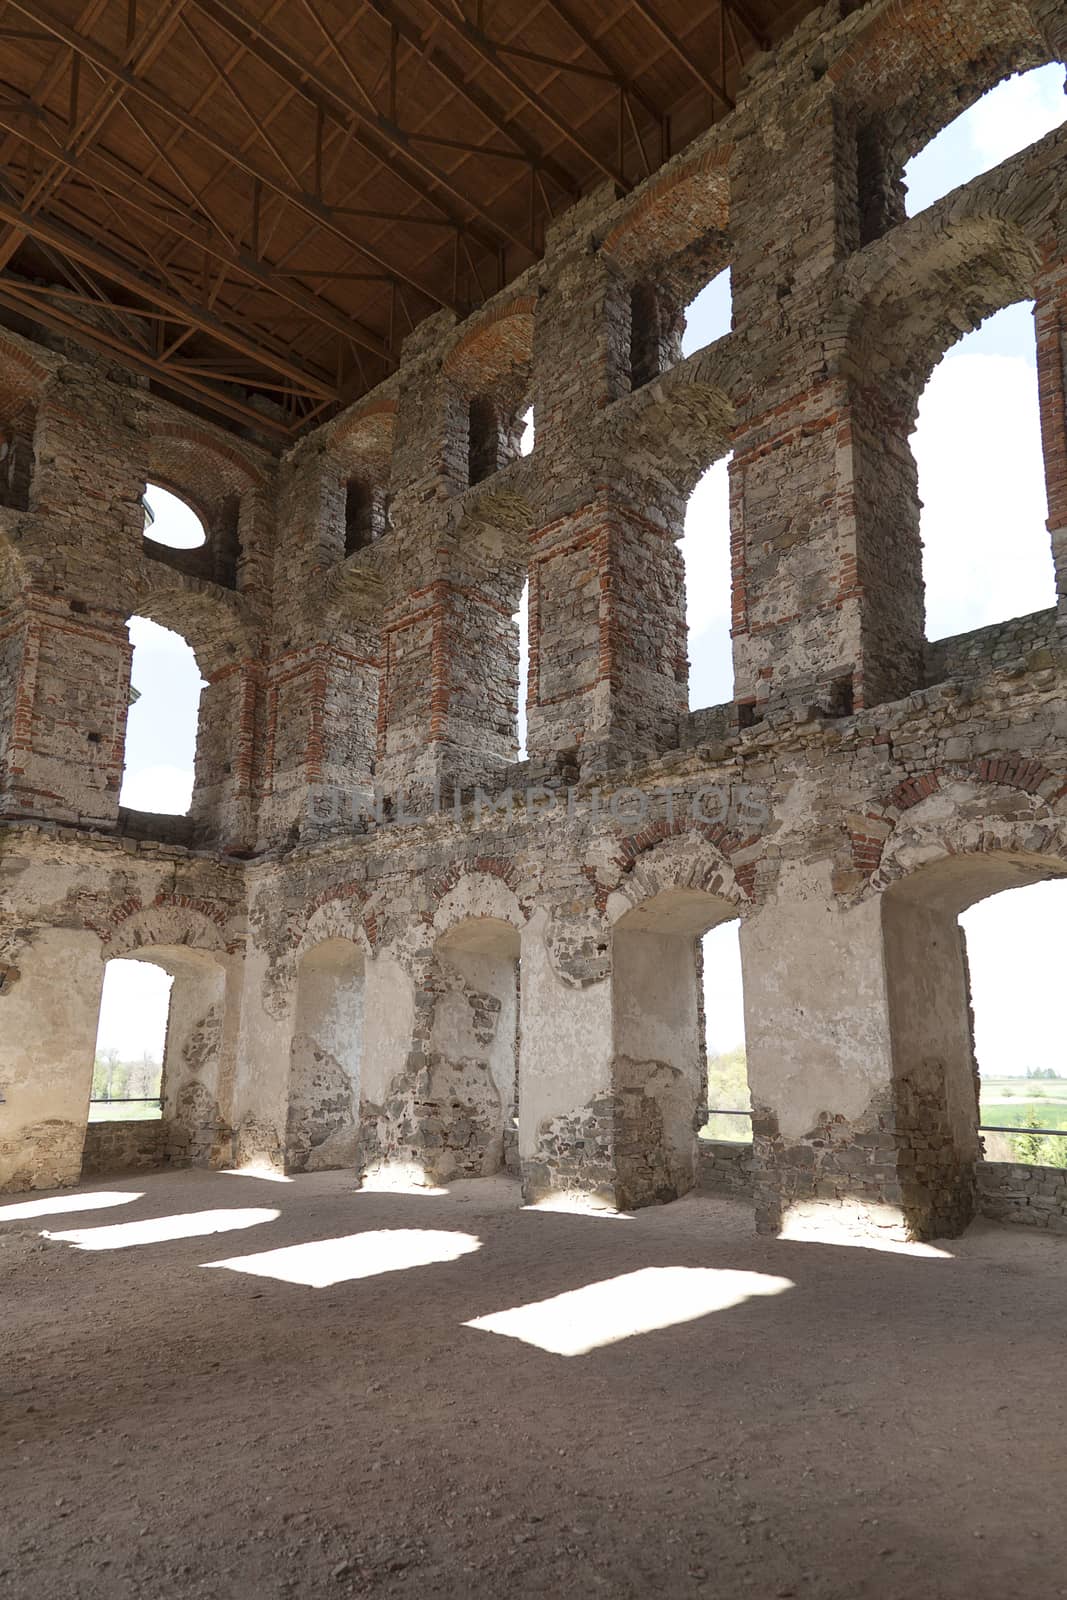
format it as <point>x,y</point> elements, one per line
<point>130,1042</point>
<point>161,727</point>
<point>729,1104</point>
<point>705,548</point>
<point>170,522</point>
<point>709,315</point>
<point>1015,944</point>
<point>987,555</point>
<point>1011,116</point>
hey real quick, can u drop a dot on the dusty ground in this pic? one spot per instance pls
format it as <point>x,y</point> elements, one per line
<point>889,1425</point>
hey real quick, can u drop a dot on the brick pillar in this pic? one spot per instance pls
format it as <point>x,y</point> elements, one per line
<point>229,757</point>
<point>860,1062</point>
<point>608,659</point>
<point>50,995</point>
<point>450,672</point>
<point>63,699</point>
<point>1050,320</point>
<point>320,707</point>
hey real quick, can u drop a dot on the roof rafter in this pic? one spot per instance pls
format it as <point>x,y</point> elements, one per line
<point>302,76</point>
<point>157,206</point>
<point>310,204</point>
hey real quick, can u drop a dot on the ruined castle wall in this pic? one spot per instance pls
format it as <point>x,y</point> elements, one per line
<point>354,621</point>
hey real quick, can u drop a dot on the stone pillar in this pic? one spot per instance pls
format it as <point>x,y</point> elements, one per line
<point>1050,321</point>
<point>49,1011</point>
<point>197,1060</point>
<point>321,705</point>
<point>864,1112</point>
<point>228,771</point>
<point>450,672</point>
<point>64,699</point>
<point>322,1124</point>
<point>659,1067</point>
<point>566,1087</point>
<point>826,557</point>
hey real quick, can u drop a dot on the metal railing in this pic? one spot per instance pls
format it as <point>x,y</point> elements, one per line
<point>1056,1133</point>
<point>126,1100</point>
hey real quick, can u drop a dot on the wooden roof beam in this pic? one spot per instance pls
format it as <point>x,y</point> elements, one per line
<point>78,247</point>
<point>108,173</point>
<point>684,55</point>
<point>484,103</point>
<point>309,204</point>
<point>33,305</point>
<point>302,76</point>
<point>489,52</point>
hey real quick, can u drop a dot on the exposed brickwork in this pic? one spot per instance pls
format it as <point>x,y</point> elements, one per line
<point>353,615</point>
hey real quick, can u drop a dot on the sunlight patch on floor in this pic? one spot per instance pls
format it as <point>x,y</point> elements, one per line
<point>266,1174</point>
<point>324,1262</point>
<point>159,1230</point>
<point>581,1320</point>
<point>28,1209</point>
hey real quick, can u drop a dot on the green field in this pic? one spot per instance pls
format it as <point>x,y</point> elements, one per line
<point>129,1111</point>
<point>1025,1103</point>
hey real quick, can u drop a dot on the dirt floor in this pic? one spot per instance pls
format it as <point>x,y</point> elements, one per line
<point>773,1419</point>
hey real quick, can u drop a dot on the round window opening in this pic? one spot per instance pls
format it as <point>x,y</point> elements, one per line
<point>169,521</point>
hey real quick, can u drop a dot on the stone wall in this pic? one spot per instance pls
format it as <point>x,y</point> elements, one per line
<point>356,779</point>
<point>124,1146</point>
<point>725,1167</point>
<point>1035,1197</point>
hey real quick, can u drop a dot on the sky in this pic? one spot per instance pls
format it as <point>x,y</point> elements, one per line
<point>981,481</point>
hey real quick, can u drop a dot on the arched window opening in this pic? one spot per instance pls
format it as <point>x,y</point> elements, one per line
<point>977,445</point>
<point>729,1106</point>
<point>16,469</point>
<point>1015,956</point>
<point>526,437</point>
<point>474,1047</point>
<point>1013,115</point>
<point>521,620</point>
<point>324,1075</point>
<point>660,1020</point>
<point>710,315</point>
<point>656,326</point>
<point>130,1042</point>
<point>366,515</point>
<point>484,441</point>
<point>705,548</point>
<point>168,521</point>
<point>161,726</point>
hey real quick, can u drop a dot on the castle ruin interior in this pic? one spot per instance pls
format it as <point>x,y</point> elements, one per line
<point>314,268</point>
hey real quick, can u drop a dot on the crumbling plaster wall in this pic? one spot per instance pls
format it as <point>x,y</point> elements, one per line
<point>852,761</point>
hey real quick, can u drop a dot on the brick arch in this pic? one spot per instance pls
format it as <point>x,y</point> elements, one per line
<point>339,914</point>
<point>484,893</point>
<point>894,825</point>
<point>680,855</point>
<point>211,620</point>
<point>919,67</point>
<point>674,211</point>
<point>22,380</point>
<point>170,919</point>
<point>360,442</point>
<point>198,467</point>
<point>499,345</point>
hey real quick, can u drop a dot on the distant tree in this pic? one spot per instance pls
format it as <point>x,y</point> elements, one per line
<point>105,1068</point>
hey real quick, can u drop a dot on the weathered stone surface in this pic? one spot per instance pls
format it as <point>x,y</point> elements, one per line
<point>517,977</point>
